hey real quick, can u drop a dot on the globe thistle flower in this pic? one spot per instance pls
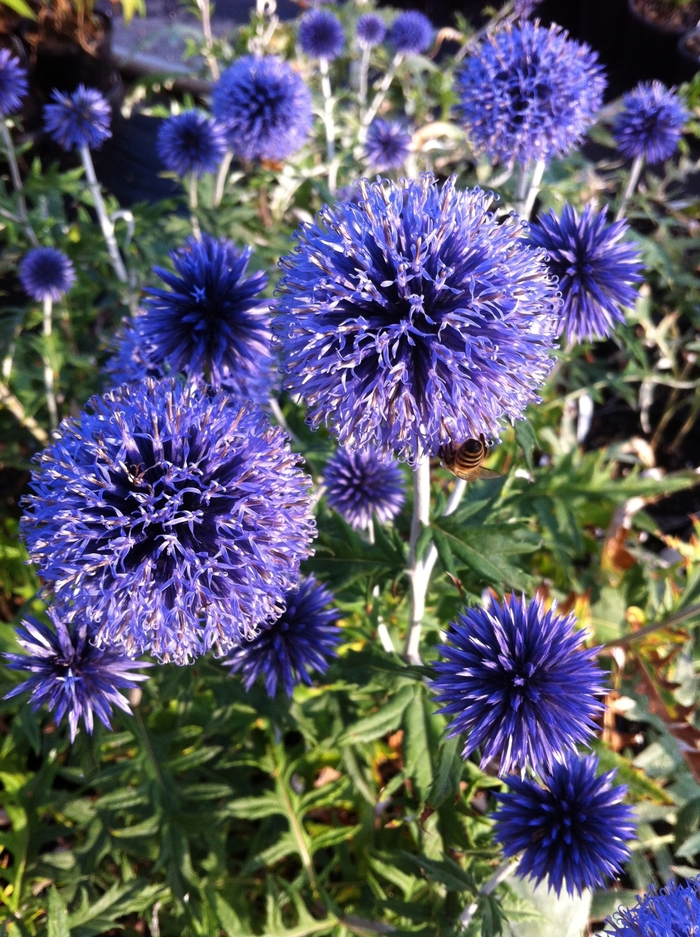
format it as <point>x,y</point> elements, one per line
<point>46,273</point>
<point>321,35</point>
<point>69,674</point>
<point>370,31</point>
<point>265,108</point>
<point>191,142</point>
<point>409,316</point>
<point>570,830</point>
<point>131,359</point>
<point>388,144</point>
<point>360,485</point>
<point>13,83</point>
<point>78,120</point>
<point>596,273</point>
<point>301,641</point>
<point>411,33</point>
<point>529,93</point>
<point>650,123</point>
<point>171,517</point>
<point>666,912</point>
<point>517,680</point>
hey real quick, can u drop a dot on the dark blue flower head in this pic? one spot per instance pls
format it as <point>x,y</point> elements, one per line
<point>650,123</point>
<point>672,911</point>
<point>411,33</point>
<point>360,485</point>
<point>388,144</point>
<point>517,680</point>
<point>596,273</point>
<point>69,674</point>
<point>46,273</point>
<point>321,35</point>
<point>300,642</point>
<point>132,359</point>
<point>571,829</point>
<point>529,93</point>
<point>191,142</point>
<point>171,517</point>
<point>265,108</point>
<point>370,31</point>
<point>78,119</point>
<point>13,83</point>
<point>410,316</point>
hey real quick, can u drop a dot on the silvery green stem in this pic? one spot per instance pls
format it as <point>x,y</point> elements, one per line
<point>502,873</point>
<point>204,9</point>
<point>635,173</point>
<point>378,99</point>
<point>328,122</point>
<point>196,230</point>
<point>364,74</point>
<point>533,189</point>
<point>17,184</point>
<point>48,367</point>
<point>417,567</point>
<point>105,222</point>
<point>221,178</point>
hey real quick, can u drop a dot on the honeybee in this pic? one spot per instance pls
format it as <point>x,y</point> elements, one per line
<point>466,461</point>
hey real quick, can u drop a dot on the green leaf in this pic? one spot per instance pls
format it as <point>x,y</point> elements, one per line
<point>256,808</point>
<point>19,6</point>
<point>58,915</point>
<point>417,744</point>
<point>448,774</point>
<point>527,440</point>
<point>384,720</point>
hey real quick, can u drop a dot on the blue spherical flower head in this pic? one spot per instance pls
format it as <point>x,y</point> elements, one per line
<point>388,144</point>
<point>132,359</point>
<point>517,680</point>
<point>362,485</point>
<point>529,93</point>
<point>672,911</point>
<point>172,518</point>
<point>69,675</point>
<point>571,829</point>
<point>409,316</point>
<point>321,35</point>
<point>13,83</point>
<point>370,31</point>
<point>265,108</point>
<point>46,273</point>
<point>79,119</point>
<point>597,274</point>
<point>191,142</point>
<point>650,123</point>
<point>300,642</point>
<point>411,33</point>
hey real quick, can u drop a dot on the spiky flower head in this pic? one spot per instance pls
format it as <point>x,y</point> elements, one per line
<point>131,358</point>
<point>191,142</point>
<point>13,83</point>
<point>302,641</point>
<point>77,120</point>
<point>388,144</point>
<point>518,681</point>
<point>362,485</point>
<point>411,33</point>
<point>672,911</point>
<point>69,675</point>
<point>265,108</point>
<point>321,35</point>
<point>171,517</point>
<point>650,123</point>
<point>409,316</point>
<point>571,829</point>
<point>597,274</point>
<point>529,93</point>
<point>370,31</point>
<point>46,273</point>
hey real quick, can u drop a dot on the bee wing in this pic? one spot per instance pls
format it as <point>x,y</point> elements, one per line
<point>487,473</point>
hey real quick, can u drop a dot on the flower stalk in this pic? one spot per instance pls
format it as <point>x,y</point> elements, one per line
<point>328,123</point>
<point>17,184</point>
<point>48,366</point>
<point>105,222</point>
<point>378,99</point>
<point>418,571</point>
<point>635,173</point>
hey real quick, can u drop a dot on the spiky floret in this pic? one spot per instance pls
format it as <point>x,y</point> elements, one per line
<point>570,830</point>
<point>517,680</point>
<point>46,273</point>
<point>370,30</point>
<point>321,35</point>
<point>672,911</point>
<point>69,675</point>
<point>265,108</point>
<point>388,144</point>
<point>650,123</point>
<point>411,32</point>
<point>13,83</point>
<point>302,641</point>
<point>191,142</point>
<point>78,119</point>
<point>409,316</point>
<point>597,274</point>
<point>529,93</point>
<point>171,517</point>
<point>363,485</point>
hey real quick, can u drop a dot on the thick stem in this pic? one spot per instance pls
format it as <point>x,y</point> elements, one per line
<point>416,566</point>
<point>533,190</point>
<point>105,222</point>
<point>378,99</point>
<point>221,178</point>
<point>48,367</point>
<point>502,873</point>
<point>328,122</point>
<point>635,173</point>
<point>196,230</point>
<point>17,184</point>
<point>364,73</point>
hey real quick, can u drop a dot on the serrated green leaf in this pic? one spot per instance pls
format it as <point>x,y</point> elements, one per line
<point>57,924</point>
<point>527,440</point>
<point>448,773</point>
<point>386,719</point>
